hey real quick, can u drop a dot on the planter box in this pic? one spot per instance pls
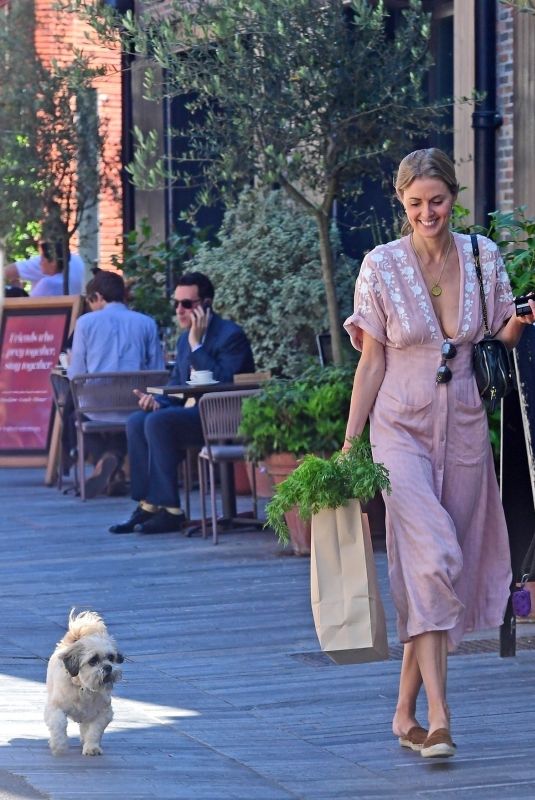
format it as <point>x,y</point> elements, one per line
<point>279,466</point>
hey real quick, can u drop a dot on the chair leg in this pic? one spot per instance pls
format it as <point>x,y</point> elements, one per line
<point>202,491</point>
<point>253,487</point>
<point>60,460</point>
<point>81,462</point>
<point>213,502</point>
<point>186,479</point>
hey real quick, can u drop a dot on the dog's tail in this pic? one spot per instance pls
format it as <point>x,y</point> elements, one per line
<point>84,623</point>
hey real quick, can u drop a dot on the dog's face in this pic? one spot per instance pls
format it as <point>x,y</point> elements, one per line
<point>92,660</point>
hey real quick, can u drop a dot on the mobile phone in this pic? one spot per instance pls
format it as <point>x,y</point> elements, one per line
<point>522,305</point>
<point>206,306</point>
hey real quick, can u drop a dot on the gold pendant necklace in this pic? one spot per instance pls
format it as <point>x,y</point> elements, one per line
<point>436,288</point>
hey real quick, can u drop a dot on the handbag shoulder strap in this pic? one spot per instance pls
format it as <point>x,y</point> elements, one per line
<point>475,250</point>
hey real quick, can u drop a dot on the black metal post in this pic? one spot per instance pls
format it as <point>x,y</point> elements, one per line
<point>127,147</point>
<point>485,118</point>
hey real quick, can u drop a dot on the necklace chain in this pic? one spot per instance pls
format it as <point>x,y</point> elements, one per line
<point>436,288</point>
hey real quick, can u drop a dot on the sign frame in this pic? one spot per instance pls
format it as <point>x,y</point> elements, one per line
<point>69,306</point>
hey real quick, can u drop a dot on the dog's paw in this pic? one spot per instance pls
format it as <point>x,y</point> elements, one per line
<point>91,749</point>
<point>58,748</point>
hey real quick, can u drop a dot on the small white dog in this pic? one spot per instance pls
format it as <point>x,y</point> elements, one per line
<point>79,680</point>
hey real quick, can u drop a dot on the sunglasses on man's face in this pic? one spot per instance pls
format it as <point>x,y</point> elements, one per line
<point>447,351</point>
<point>187,304</point>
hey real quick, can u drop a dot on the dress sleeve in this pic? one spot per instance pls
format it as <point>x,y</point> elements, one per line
<point>504,306</point>
<point>369,314</point>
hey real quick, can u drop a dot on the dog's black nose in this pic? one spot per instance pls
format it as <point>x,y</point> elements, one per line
<point>107,668</point>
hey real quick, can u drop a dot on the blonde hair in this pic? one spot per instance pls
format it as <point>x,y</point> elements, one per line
<point>428,163</point>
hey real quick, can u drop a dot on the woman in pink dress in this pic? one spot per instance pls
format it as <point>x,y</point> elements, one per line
<point>417,316</point>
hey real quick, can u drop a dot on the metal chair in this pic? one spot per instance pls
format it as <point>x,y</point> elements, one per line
<point>220,419</point>
<point>61,392</point>
<point>102,403</point>
<point>325,350</point>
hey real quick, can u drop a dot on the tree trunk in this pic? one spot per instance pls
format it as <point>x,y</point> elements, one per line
<point>327,270</point>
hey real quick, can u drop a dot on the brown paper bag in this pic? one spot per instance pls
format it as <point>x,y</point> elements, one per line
<point>346,606</point>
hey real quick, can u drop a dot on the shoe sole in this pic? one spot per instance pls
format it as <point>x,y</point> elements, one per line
<point>410,745</point>
<point>120,529</point>
<point>439,750</point>
<point>140,528</point>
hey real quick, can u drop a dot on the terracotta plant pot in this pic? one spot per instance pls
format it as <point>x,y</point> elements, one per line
<point>241,479</point>
<point>279,466</point>
<point>264,483</point>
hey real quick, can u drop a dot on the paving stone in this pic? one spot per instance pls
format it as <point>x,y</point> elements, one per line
<point>224,696</point>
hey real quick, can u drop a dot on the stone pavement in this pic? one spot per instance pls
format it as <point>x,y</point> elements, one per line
<point>225,695</point>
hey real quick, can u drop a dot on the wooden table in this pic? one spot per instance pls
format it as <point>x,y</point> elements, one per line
<point>185,391</point>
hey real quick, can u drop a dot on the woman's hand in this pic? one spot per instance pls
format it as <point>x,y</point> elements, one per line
<point>512,331</point>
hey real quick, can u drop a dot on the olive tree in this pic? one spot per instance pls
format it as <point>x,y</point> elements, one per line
<point>52,164</point>
<point>309,95</point>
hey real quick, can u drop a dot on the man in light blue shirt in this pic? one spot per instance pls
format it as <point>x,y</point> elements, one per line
<point>111,339</point>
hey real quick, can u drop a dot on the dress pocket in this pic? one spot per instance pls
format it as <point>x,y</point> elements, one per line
<point>406,421</point>
<point>471,433</point>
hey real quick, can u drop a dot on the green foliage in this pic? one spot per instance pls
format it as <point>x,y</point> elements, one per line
<point>310,95</point>
<point>514,233</point>
<point>320,483</point>
<point>267,273</point>
<point>151,270</point>
<point>526,6</point>
<point>51,140</point>
<point>21,242</point>
<point>306,415</point>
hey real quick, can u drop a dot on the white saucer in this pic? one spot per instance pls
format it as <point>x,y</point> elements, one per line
<point>198,383</point>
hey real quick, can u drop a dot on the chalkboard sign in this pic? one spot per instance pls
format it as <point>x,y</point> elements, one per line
<point>33,332</point>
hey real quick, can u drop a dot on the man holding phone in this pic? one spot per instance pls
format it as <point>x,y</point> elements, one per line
<point>160,432</point>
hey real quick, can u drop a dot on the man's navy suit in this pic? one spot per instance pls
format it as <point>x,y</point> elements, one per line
<point>157,440</point>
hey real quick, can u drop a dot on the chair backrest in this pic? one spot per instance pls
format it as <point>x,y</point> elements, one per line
<point>60,390</point>
<point>325,350</point>
<point>221,415</point>
<point>98,392</point>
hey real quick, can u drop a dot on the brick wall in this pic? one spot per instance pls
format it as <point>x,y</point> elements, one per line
<point>504,98</point>
<point>54,35</point>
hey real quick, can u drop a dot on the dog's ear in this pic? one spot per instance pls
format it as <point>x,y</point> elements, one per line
<point>71,659</point>
<point>119,658</point>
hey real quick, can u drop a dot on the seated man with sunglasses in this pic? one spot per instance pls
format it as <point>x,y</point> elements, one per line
<point>159,434</point>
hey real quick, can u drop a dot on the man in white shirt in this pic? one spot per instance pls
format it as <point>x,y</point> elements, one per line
<point>33,269</point>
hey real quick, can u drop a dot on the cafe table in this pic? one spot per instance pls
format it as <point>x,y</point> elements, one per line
<point>195,390</point>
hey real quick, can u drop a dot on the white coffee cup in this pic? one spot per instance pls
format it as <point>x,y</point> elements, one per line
<point>202,376</point>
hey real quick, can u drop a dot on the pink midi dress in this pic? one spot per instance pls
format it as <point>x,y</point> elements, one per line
<point>448,552</point>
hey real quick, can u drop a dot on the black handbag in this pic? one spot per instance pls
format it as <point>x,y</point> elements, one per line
<point>492,366</point>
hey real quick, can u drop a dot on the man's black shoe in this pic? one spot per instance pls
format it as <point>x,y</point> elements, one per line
<point>162,522</point>
<point>128,526</point>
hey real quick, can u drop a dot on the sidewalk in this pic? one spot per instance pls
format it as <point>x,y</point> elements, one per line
<point>225,695</point>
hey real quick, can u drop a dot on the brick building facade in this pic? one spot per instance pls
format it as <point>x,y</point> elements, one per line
<point>505,197</point>
<point>56,34</point>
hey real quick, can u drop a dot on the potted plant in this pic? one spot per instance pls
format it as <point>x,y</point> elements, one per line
<point>291,418</point>
<point>319,483</point>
